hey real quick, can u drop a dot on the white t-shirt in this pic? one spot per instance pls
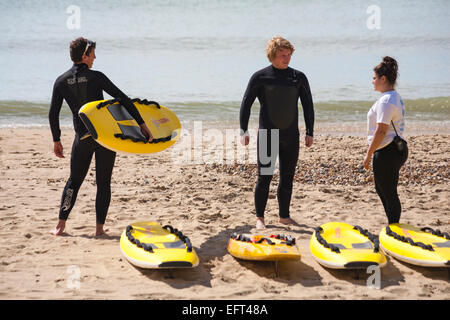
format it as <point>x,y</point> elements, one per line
<point>388,107</point>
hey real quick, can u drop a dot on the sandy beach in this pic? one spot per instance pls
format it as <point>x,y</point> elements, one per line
<point>208,202</point>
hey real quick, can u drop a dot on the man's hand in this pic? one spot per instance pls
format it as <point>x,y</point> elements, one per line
<point>245,139</point>
<point>58,149</point>
<point>146,132</point>
<point>309,141</point>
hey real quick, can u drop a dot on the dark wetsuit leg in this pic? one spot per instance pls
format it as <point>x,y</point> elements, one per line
<point>288,151</point>
<point>81,156</point>
<point>288,157</point>
<point>80,159</point>
<point>386,167</point>
<point>265,170</point>
<point>261,194</point>
<point>104,164</point>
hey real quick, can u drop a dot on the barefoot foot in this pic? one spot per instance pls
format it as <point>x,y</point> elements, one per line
<point>99,231</point>
<point>59,229</point>
<point>288,221</point>
<point>260,223</point>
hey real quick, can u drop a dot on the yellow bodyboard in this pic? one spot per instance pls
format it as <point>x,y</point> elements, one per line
<point>110,124</point>
<point>416,246</point>
<point>259,247</point>
<point>339,245</point>
<point>149,245</point>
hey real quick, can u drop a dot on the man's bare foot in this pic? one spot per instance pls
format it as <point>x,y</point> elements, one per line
<point>260,223</point>
<point>288,221</point>
<point>59,230</point>
<point>99,231</point>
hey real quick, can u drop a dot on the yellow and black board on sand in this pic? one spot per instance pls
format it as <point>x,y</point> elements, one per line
<point>111,125</point>
<point>261,248</point>
<point>152,246</point>
<point>420,246</point>
<point>338,245</point>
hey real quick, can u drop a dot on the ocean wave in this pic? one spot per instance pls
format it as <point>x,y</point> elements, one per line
<point>435,108</point>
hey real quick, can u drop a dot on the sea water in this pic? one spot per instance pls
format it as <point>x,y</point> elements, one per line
<point>197,56</point>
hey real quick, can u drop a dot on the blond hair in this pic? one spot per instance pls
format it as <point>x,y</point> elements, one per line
<point>275,44</point>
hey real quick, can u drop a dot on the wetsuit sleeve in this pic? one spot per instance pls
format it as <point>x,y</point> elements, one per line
<point>115,92</point>
<point>53,115</point>
<point>247,102</point>
<point>307,104</point>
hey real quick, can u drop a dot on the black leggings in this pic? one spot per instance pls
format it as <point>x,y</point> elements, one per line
<point>80,160</point>
<point>386,167</point>
<point>288,152</point>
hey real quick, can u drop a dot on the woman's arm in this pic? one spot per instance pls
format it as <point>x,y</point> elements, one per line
<point>378,137</point>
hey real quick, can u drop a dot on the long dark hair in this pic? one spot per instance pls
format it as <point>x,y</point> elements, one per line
<point>388,68</point>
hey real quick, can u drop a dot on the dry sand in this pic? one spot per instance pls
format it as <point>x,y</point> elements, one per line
<point>208,202</point>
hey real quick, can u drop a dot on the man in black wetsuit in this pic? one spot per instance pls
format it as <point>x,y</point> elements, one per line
<point>277,88</point>
<point>78,86</point>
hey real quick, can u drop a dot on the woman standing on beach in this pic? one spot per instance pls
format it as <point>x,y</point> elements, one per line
<point>386,120</point>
